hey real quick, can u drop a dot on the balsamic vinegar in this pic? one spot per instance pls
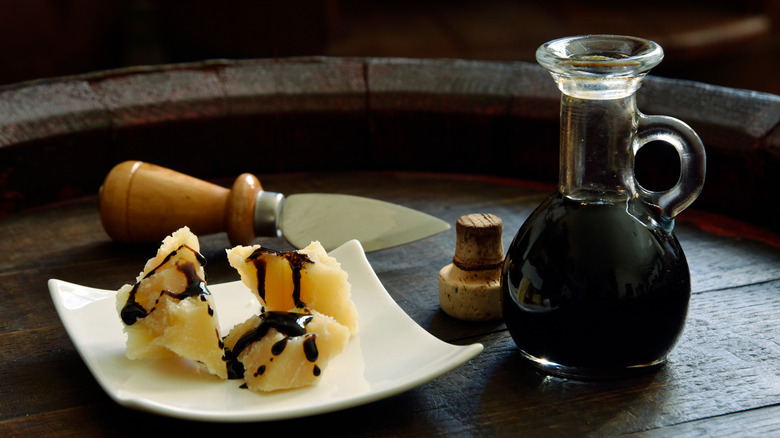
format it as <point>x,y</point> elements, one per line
<point>589,286</point>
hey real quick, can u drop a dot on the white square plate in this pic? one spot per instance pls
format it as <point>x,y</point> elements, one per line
<point>390,354</point>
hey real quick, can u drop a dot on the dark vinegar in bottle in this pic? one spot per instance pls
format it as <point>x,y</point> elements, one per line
<point>590,291</point>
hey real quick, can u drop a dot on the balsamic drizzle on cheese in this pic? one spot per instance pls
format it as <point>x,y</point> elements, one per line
<point>132,311</point>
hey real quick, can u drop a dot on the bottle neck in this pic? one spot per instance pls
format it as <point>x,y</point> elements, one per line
<point>596,148</point>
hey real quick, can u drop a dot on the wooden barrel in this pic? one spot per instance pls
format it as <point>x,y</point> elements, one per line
<point>59,137</point>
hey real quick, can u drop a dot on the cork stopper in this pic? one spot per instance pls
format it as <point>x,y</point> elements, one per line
<point>478,243</point>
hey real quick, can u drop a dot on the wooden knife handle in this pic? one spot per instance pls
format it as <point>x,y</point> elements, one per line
<point>142,202</point>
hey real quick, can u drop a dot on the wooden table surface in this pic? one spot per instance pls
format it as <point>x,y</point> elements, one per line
<point>722,379</point>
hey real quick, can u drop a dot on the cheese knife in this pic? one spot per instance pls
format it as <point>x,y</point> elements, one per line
<point>142,203</point>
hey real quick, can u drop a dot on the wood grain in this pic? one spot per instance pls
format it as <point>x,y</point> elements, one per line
<point>308,114</point>
<point>721,379</point>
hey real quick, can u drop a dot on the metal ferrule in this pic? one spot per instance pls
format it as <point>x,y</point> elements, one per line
<point>268,209</point>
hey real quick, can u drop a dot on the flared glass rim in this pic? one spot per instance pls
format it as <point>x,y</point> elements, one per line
<point>600,55</point>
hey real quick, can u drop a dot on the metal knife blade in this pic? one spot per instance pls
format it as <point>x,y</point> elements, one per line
<point>333,219</point>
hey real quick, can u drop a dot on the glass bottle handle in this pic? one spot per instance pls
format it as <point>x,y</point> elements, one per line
<point>693,162</point>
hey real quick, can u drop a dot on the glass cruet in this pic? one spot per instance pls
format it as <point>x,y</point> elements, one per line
<point>595,284</point>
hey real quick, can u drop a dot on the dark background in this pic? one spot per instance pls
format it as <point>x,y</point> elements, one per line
<point>730,43</point>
